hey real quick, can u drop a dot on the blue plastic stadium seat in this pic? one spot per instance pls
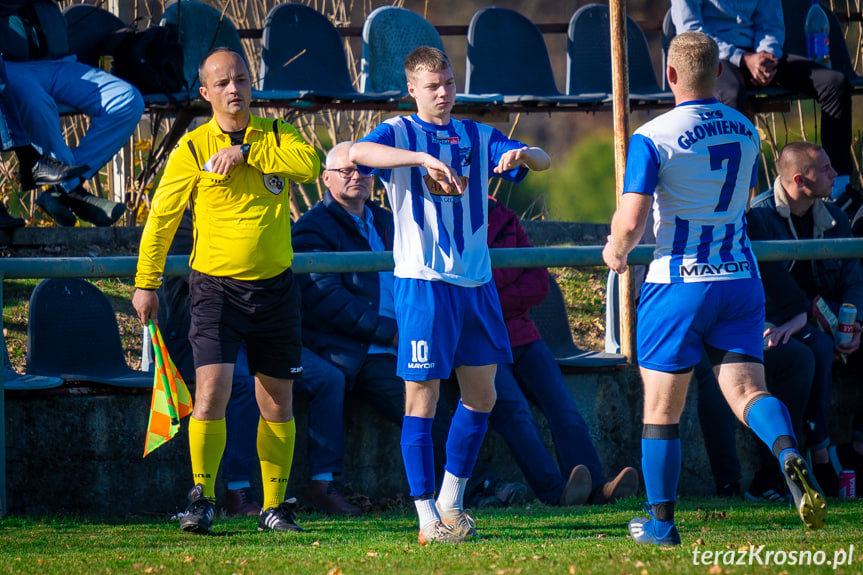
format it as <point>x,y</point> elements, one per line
<point>303,54</point>
<point>589,57</point>
<point>506,54</point>
<point>72,334</point>
<point>201,28</point>
<point>389,35</point>
<point>552,320</point>
<point>88,28</point>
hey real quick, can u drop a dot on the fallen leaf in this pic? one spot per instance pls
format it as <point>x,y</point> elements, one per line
<point>572,570</point>
<point>700,541</point>
<point>372,554</point>
<point>639,564</point>
<point>316,544</point>
<point>188,559</point>
<point>335,571</point>
<point>715,570</point>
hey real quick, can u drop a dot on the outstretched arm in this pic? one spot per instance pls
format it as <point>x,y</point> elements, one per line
<point>376,155</point>
<point>534,158</point>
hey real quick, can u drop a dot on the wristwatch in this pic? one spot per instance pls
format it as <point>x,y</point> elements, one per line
<point>245,150</point>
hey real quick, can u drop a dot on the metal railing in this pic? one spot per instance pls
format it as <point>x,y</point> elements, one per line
<point>330,262</point>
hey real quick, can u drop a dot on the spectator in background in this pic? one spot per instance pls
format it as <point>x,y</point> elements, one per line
<point>810,292</point>
<point>750,35</point>
<point>322,384</point>
<point>35,168</point>
<point>34,43</point>
<point>534,374</point>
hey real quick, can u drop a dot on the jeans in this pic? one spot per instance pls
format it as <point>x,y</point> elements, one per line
<point>114,107</point>
<point>788,369</point>
<point>829,87</point>
<point>12,133</point>
<point>818,408</point>
<point>325,387</point>
<point>535,375</point>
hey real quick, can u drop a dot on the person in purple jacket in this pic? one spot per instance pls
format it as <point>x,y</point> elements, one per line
<point>534,374</point>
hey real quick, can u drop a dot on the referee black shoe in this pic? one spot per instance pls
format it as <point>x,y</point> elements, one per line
<point>279,518</point>
<point>198,517</point>
<point>807,494</point>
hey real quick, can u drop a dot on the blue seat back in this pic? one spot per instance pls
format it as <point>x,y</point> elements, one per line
<point>302,50</point>
<point>88,28</point>
<point>201,28</point>
<point>589,54</point>
<point>506,54</point>
<point>389,35</point>
<point>72,333</point>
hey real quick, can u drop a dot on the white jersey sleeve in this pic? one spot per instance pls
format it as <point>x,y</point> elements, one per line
<point>698,161</point>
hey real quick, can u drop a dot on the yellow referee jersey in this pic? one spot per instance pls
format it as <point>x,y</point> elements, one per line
<point>242,220</point>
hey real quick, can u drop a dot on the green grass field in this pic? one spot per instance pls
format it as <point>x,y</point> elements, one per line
<point>533,539</point>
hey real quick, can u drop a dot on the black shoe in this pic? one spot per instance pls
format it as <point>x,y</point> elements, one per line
<point>279,518</point>
<point>198,517</point>
<point>51,202</point>
<point>45,171</point>
<point>98,211</point>
<point>8,221</point>
<point>808,498</point>
<point>767,485</point>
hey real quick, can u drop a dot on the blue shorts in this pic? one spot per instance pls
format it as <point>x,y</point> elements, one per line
<point>443,326</point>
<point>675,321</point>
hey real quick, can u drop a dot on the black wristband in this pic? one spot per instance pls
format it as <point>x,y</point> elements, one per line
<point>245,148</point>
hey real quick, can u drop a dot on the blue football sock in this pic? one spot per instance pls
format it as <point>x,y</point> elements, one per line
<point>418,454</point>
<point>466,433</point>
<point>660,464</point>
<point>768,418</point>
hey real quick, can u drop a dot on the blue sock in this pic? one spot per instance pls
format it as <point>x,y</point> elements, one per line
<point>466,433</point>
<point>418,454</point>
<point>660,464</point>
<point>768,418</point>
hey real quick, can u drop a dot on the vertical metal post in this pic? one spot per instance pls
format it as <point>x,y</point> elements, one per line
<point>620,111</point>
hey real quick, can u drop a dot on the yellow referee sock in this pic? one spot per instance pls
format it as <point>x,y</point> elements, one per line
<point>276,452</point>
<point>206,444</point>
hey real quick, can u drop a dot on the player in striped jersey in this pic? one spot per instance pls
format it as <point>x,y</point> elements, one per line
<point>436,170</point>
<point>695,165</point>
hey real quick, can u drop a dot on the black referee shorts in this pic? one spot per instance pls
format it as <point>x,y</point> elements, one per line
<point>263,313</point>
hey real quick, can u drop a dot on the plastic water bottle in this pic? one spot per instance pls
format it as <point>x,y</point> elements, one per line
<point>817,30</point>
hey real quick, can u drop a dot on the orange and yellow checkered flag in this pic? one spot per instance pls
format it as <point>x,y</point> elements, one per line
<point>171,398</point>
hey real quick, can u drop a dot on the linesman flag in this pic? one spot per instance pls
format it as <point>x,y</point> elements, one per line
<point>171,398</point>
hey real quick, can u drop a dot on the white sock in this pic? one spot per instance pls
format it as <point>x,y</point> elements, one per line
<point>235,485</point>
<point>426,511</point>
<point>323,476</point>
<point>839,185</point>
<point>452,492</point>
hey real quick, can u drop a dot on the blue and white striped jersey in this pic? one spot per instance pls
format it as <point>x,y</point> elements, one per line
<point>440,237</point>
<point>698,160</point>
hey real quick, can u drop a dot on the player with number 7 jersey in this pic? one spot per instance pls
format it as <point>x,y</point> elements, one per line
<point>699,161</point>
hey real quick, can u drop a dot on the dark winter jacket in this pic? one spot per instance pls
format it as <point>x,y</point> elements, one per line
<point>32,30</point>
<point>340,310</point>
<point>837,280</point>
<point>519,288</point>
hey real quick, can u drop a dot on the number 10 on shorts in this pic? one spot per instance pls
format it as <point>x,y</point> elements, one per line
<point>419,351</point>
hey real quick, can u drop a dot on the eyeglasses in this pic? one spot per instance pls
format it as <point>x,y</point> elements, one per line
<point>348,173</point>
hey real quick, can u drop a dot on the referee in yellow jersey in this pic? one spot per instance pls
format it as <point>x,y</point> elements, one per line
<point>233,171</point>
